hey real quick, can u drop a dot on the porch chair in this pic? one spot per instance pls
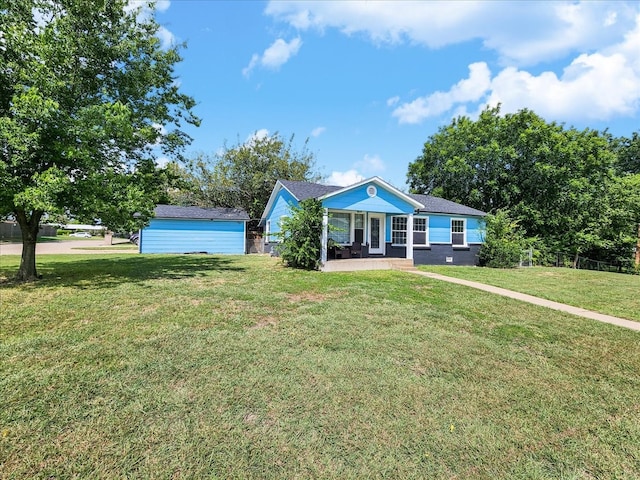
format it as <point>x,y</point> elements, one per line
<point>356,249</point>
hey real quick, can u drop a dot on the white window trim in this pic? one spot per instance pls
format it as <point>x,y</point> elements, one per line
<point>267,232</point>
<point>464,232</point>
<point>426,233</point>
<point>392,230</point>
<point>427,244</point>
<point>351,225</point>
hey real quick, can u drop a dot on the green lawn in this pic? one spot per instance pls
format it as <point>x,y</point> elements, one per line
<point>611,293</point>
<point>121,366</point>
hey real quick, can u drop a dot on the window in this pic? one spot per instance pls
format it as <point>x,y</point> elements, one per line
<point>457,232</point>
<point>340,231</point>
<point>399,230</point>
<point>358,228</point>
<point>267,231</point>
<point>420,231</point>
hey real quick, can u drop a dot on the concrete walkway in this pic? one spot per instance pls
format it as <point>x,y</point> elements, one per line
<point>621,322</point>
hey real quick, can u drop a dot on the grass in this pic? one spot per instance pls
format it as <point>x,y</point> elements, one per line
<point>233,367</point>
<point>610,293</point>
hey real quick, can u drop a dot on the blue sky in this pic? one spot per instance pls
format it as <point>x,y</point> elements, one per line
<point>368,82</point>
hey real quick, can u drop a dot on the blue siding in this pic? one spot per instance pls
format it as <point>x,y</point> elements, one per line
<point>358,199</point>
<point>475,230</point>
<point>439,229</point>
<point>184,236</point>
<point>281,208</point>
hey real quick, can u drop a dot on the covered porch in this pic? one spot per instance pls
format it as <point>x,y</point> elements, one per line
<point>360,235</point>
<point>356,221</point>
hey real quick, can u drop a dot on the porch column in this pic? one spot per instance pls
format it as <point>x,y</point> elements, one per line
<point>410,237</point>
<point>325,236</point>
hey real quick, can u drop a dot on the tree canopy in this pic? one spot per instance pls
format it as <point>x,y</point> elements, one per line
<point>88,97</point>
<point>564,186</point>
<point>243,176</point>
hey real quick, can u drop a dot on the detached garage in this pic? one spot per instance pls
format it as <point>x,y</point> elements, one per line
<point>195,230</point>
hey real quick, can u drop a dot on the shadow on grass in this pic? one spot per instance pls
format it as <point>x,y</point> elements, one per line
<point>107,272</point>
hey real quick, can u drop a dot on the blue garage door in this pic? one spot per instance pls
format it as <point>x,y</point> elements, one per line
<point>187,236</point>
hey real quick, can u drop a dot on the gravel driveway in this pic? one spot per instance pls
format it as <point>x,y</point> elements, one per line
<point>68,246</point>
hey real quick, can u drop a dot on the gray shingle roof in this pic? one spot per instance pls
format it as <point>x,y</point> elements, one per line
<point>440,205</point>
<point>305,190</point>
<point>199,213</point>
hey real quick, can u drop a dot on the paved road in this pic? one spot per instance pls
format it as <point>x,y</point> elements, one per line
<point>67,246</point>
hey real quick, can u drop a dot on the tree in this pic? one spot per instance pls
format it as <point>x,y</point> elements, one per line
<point>243,176</point>
<point>628,151</point>
<point>87,97</point>
<point>554,181</point>
<point>302,235</point>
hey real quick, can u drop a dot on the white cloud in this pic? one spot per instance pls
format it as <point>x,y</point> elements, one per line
<point>255,59</point>
<point>167,39</point>
<point>595,86</point>
<point>467,90</point>
<point>371,164</point>
<point>162,161</point>
<point>316,132</point>
<point>162,130</point>
<point>610,19</point>
<point>257,135</point>
<point>521,32</point>
<point>163,5</point>
<point>275,56</point>
<point>393,101</point>
<point>280,52</point>
<point>343,179</point>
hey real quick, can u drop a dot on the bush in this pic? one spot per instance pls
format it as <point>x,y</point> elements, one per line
<point>301,235</point>
<point>503,242</point>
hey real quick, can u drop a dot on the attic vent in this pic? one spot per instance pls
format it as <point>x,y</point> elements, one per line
<point>372,191</point>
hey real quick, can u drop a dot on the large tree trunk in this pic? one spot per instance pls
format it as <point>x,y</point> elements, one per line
<point>29,227</point>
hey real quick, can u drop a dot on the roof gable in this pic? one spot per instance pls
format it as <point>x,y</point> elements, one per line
<point>378,182</point>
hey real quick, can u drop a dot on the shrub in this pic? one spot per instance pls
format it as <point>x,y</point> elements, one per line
<point>503,242</point>
<point>301,235</point>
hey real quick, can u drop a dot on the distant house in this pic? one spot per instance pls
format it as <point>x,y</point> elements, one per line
<point>374,219</point>
<point>177,229</point>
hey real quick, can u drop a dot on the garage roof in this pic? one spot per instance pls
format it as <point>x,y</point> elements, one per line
<point>199,213</point>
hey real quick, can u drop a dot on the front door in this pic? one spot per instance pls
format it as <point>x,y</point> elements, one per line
<point>376,234</point>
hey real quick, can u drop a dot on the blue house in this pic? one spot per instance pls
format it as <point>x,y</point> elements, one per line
<point>193,229</point>
<point>374,219</point>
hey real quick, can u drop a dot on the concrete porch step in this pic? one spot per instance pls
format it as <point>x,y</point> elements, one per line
<point>358,264</point>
